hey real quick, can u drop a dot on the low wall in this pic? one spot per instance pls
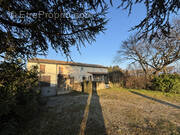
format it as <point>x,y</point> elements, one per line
<point>115,85</point>
<point>85,86</point>
<point>101,85</point>
<point>48,91</point>
<point>88,85</point>
<point>77,87</point>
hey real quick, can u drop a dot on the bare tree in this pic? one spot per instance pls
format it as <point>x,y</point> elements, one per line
<point>156,55</point>
<point>134,50</point>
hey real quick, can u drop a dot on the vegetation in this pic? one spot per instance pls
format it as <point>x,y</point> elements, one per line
<point>155,56</point>
<point>28,27</point>
<point>167,83</point>
<point>135,79</point>
<point>157,19</point>
<point>19,98</point>
<point>172,97</point>
<point>150,62</point>
<point>116,76</point>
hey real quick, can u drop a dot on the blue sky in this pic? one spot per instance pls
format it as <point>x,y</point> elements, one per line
<point>104,49</point>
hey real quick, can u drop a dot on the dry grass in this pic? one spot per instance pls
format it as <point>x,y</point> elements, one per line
<point>112,111</point>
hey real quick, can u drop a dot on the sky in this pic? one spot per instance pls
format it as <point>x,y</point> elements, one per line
<point>104,49</point>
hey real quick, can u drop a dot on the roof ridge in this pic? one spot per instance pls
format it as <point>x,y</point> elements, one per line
<point>64,62</point>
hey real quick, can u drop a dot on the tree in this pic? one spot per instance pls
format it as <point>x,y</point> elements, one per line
<point>157,17</point>
<point>28,28</point>
<point>19,97</point>
<point>116,75</point>
<point>156,55</point>
<point>114,68</point>
<point>40,24</point>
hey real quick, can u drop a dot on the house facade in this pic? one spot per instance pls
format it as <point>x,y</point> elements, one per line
<point>58,76</point>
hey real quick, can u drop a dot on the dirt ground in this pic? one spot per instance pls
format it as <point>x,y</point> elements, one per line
<point>112,112</point>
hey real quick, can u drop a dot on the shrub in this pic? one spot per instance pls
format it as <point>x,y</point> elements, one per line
<point>133,82</point>
<point>18,97</point>
<point>167,83</point>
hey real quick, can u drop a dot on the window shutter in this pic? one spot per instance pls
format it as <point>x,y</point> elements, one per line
<point>60,70</point>
<point>42,68</point>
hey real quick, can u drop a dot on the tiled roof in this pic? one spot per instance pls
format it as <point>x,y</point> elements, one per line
<point>37,60</point>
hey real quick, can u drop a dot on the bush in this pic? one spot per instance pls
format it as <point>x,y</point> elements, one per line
<point>18,97</point>
<point>133,82</point>
<point>167,83</point>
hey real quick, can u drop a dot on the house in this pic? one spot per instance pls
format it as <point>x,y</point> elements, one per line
<point>58,76</point>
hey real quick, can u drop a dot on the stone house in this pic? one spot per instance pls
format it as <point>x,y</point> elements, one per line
<point>59,76</point>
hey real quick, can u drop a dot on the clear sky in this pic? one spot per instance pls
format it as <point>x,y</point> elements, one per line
<point>104,49</point>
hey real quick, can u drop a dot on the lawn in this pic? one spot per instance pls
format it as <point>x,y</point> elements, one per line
<point>114,111</point>
<point>160,95</point>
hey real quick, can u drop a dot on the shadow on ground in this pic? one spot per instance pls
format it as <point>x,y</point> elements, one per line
<point>76,114</point>
<point>157,100</point>
<point>95,123</point>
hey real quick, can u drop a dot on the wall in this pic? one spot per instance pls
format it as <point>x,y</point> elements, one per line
<point>50,70</point>
<point>77,87</point>
<point>78,72</point>
<point>101,85</point>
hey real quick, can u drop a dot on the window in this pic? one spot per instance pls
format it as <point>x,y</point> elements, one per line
<point>42,68</point>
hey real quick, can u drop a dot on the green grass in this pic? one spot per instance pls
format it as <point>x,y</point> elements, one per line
<point>155,94</point>
<point>159,95</point>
